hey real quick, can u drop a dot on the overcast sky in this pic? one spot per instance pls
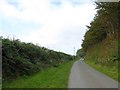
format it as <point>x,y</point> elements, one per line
<point>56,24</point>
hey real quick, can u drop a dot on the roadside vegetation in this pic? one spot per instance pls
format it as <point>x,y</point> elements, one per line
<point>100,46</point>
<point>55,77</point>
<point>110,71</point>
<point>102,56</point>
<point>24,59</point>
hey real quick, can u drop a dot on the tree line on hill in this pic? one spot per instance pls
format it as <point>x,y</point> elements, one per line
<point>20,58</point>
<point>104,25</point>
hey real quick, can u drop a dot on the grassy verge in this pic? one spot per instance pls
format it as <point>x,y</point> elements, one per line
<point>109,71</point>
<point>50,78</point>
<point>103,56</point>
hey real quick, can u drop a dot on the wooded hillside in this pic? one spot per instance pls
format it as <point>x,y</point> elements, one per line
<point>105,24</point>
<point>104,27</point>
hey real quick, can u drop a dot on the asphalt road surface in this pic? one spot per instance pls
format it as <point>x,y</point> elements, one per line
<point>84,76</point>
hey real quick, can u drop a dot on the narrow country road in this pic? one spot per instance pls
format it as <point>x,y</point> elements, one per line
<point>84,76</point>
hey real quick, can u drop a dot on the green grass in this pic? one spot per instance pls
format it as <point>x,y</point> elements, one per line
<point>109,71</point>
<point>56,77</point>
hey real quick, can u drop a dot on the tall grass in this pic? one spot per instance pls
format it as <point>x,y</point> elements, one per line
<point>104,57</point>
<point>56,77</point>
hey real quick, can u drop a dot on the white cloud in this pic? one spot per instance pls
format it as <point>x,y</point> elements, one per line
<point>63,27</point>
